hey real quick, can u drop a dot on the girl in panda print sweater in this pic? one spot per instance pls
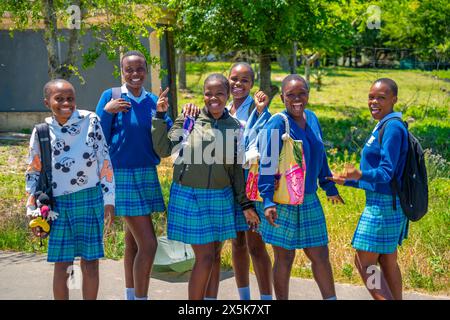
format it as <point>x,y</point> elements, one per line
<point>83,187</point>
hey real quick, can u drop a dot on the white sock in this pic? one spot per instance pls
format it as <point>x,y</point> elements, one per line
<point>209,298</point>
<point>129,293</point>
<point>331,298</point>
<point>141,298</point>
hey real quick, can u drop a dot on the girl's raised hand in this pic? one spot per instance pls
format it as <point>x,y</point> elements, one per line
<point>190,109</point>
<point>261,101</point>
<point>117,105</point>
<point>163,101</point>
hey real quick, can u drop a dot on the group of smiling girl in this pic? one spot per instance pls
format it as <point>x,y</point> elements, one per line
<point>208,202</point>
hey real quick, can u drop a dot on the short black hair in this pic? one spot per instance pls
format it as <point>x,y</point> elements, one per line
<point>390,83</point>
<point>291,77</point>
<point>248,66</point>
<point>219,77</point>
<point>48,85</point>
<point>133,53</point>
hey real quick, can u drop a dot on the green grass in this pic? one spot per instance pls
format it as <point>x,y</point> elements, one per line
<point>341,104</point>
<point>341,107</point>
<point>443,74</point>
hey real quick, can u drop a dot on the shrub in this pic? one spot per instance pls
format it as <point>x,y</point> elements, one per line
<point>437,166</point>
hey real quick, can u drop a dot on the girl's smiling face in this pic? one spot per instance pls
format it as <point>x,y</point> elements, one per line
<point>381,100</point>
<point>240,81</point>
<point>295,97</point>
<point>61,100</point>
<point>134,71</point>
<point>215,96</point>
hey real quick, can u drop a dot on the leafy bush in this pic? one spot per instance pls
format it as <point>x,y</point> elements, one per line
<point>437,166</point>
<point>422,112</point>
<point>433,134</point>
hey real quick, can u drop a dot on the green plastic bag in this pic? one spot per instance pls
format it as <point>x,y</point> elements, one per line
<point>173,255</point>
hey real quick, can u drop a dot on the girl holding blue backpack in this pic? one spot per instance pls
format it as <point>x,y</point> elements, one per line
<point>126,119</point>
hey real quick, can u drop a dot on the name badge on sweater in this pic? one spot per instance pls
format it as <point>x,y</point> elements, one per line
<point>370,141</point>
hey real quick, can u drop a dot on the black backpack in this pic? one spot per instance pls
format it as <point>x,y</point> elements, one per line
<point>45,178</point>
<point>413,193</point>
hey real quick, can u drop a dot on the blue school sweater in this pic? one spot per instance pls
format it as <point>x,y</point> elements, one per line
<point>129,134</point>
<point>314,150</point>
<point>379,164</point>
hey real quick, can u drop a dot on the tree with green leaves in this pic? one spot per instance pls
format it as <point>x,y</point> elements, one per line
<point>419,25</point>
<point>114,24</point>
<point>263,27</point>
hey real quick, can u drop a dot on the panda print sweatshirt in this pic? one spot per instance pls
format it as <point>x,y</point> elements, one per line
<point>80,157</point>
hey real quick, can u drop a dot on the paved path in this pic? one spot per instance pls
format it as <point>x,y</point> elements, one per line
<point>29,276</point>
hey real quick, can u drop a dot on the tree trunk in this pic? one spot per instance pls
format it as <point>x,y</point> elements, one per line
<point>74,42</point>
<point>265,72</point>
<point>181,70</point>
<point>293,59</point>
<point>374,57</point>
<point>308,62</point>
<point>284,61</point>
<point>57,68</point>
<point>50,37</point>
<point>171,62</point>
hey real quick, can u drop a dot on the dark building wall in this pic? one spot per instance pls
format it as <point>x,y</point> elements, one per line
<point>23,72</point>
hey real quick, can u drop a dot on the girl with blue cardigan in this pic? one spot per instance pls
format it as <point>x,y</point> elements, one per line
<point>291,227</point>
<point>253,114</point>
<point>380,228</point>
<point>127,123</point>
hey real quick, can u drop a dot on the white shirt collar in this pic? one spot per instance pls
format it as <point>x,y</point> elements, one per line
<point>242,112</point>
<point>125,90</point>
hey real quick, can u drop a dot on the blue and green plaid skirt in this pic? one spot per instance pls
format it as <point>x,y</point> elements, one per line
<point>301,226</point>
<point>138,192</point>
<point>380,229</point>
<point>78,231</point>
<point>200,216</point>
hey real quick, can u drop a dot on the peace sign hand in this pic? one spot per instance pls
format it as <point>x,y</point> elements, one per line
<point>163,101</point>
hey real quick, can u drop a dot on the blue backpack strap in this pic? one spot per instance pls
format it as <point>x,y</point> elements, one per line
<point>383,126</point>
<point>116,93</point>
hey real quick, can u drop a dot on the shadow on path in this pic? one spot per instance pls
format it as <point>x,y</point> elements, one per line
<point>176,277</point>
